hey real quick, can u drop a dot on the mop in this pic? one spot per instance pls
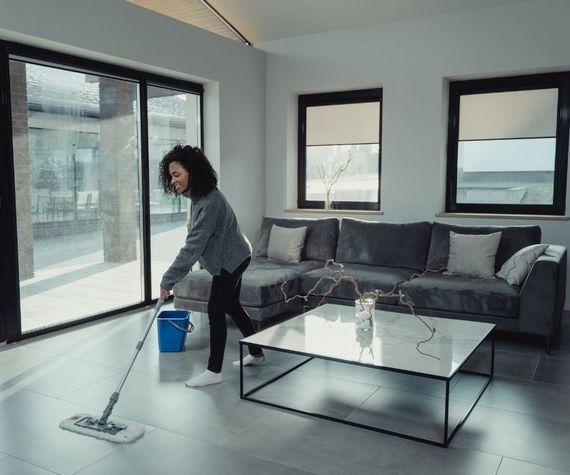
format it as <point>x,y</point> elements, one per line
<point>102,427</point>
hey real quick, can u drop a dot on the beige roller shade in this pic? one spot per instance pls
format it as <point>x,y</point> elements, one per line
<point>507,115</point>
<point>343,124</point>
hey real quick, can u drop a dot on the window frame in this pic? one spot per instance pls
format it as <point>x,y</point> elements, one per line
<point>10,314</point>
<point>560,81</point>
<point>325,99</point>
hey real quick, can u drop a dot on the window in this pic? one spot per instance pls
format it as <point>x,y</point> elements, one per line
<point>173,118</point>
<point>339,150</point>
<point>89,231</point>
<point>508,145</point>
<point>71,139</point>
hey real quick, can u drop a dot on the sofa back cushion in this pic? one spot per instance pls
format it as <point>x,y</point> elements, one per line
<point>384,244</point>
<point>320,239</point>
<point>286,244</point>
<point>513,238</point>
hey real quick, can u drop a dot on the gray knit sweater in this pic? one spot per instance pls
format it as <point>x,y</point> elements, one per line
<point>214,240</point>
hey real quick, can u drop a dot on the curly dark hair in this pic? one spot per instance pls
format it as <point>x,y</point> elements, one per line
<point>203,178</point>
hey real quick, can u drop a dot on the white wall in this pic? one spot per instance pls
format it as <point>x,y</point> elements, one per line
<point>121,33</point>
<point>412,61</point>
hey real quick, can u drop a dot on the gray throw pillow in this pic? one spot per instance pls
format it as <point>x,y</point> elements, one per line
<point>473,255</point>
<point>516,268</point>
<point>286,244</point>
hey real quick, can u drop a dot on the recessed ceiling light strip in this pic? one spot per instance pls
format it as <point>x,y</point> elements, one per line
<point>225,22</point>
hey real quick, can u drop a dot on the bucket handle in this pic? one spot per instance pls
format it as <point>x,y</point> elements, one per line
<point>182,329</point>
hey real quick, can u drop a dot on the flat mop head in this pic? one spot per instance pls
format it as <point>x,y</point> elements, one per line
<point>113,431</point>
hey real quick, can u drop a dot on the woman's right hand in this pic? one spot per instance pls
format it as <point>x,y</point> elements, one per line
<point>164,294</point>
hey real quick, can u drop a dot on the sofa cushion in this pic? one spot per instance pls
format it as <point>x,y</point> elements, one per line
<point>463,294</point>
<point>320,240</point>
<point>261,282</point>
<point>516,268</point>
<point>368,278</point>
<point>473,255</point>
<point>286,244</point>
<point>384,244</point>
<point>513,238</point>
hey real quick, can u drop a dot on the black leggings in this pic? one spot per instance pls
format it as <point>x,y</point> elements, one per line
<point>224,299</point>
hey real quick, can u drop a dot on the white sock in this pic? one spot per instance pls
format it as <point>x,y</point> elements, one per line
<point>251,360</point>
<point>204,379</point>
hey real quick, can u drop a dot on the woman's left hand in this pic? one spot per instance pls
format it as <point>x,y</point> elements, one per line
<point>164,294</point>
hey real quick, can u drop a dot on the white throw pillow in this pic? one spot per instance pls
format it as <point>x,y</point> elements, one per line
<point>286,244</point>
<point>516,268</point>
<point>473,255</point>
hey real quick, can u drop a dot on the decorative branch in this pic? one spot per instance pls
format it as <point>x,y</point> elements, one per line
<point>335,274</point>
<point>329,181</point>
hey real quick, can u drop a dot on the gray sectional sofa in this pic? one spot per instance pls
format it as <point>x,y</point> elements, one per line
<point>380,255</point>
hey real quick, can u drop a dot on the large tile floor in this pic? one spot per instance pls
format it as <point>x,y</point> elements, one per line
<point>520,426</point>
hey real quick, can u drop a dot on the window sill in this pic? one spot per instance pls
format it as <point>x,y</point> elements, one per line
<point>545,217</point>
<point>334,211</point>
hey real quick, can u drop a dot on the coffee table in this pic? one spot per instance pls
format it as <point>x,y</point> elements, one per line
<point>328,333</point>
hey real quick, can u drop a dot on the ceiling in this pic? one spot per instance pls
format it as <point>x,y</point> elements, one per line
<point>267,20</point>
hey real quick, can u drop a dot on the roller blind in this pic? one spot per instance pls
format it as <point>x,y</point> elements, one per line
<point>508,115</point>
<point>343,124</point>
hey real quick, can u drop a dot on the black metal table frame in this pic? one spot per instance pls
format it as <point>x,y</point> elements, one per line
<point>447,434</point>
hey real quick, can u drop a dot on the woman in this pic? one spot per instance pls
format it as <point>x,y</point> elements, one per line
<point>215,240</point>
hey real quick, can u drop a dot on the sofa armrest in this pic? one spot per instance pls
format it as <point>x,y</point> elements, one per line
<point>543,293</point>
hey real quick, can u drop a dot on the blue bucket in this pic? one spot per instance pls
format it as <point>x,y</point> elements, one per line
<point>172,327</point>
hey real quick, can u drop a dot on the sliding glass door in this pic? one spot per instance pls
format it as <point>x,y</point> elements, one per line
<point>173,118</point>
<point>92,231</point>
<point>76,163</point>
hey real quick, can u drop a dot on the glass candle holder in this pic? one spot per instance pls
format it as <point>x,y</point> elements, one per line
<point>364,313</point>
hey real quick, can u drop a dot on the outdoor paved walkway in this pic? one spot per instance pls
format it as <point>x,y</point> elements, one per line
<point>72,281</point>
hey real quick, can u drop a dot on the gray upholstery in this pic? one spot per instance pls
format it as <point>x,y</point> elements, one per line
<point>320,240</point>
<point>194,286</point>
<point>463,294</point>
<point>369,278</point>
<point>258,314</point>
<point>384,244</point>
<point>261,282</point>
<point>543,293</point>
<point>513,238</point>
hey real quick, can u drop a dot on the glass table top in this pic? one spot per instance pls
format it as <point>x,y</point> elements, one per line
<point>329,331</point>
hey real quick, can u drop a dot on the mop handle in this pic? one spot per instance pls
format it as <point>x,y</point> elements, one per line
<point>115,396</point>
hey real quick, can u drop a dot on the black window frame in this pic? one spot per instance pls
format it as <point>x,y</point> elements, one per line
<point>10,314</point>
<point>324,99</point>
<point>560,81</point>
